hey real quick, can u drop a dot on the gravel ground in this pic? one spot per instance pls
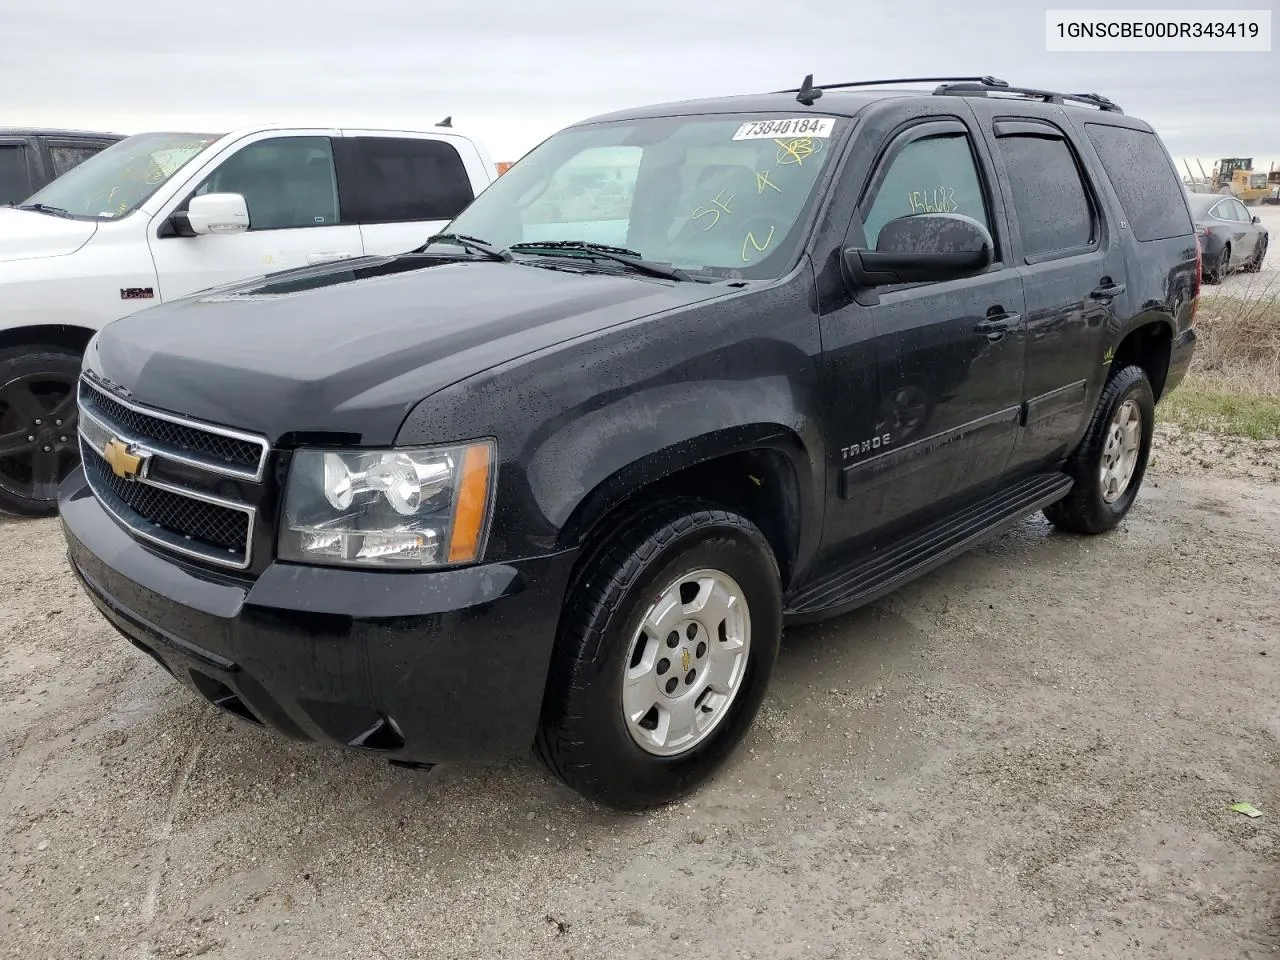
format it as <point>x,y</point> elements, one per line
<point>1029,753</point>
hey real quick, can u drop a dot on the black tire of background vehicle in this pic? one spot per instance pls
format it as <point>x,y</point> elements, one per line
<point>1084,510</point>
<point>1215,272</point>
<point>582,736</point>
<point>54,364</point>
<point>1255,262</point>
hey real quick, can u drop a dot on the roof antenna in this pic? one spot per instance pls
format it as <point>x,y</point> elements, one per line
<point>808,92</point>
<point>446,122</point>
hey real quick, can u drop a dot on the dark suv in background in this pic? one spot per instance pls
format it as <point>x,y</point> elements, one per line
<point>29,159</point>
<point>560,476</point>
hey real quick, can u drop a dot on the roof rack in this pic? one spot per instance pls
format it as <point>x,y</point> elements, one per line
<point>808,91</point>
<point>979,89</point>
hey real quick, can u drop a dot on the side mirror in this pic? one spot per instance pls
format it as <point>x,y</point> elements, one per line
<point>215,213</point>
<point>1256,218</point>
<point>922,248</point>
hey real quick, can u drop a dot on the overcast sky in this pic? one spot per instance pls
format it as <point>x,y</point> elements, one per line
<point>514,71</point>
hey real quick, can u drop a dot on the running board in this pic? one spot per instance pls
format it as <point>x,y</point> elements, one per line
<point>871,577</point>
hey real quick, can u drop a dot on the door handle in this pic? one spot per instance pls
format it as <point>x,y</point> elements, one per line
<point>1107,290</point>
<point>996,325</point>
<point>327,257</point>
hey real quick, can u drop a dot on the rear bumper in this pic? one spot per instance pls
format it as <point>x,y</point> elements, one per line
<point>420,667</point>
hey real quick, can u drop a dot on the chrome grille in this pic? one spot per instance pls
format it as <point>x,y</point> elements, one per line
<point>193,522</point>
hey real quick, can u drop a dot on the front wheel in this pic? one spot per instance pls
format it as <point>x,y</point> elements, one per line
<point>38,446</point>
<point>665,649</point>
<point>1111,461</point>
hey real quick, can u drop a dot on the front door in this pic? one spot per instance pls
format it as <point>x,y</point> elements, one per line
<point>291,189</point>
<point>948,356</point>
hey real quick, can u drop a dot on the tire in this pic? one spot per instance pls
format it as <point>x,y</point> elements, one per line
<point>1255,262</point>
<point>584,737</point>
<point>1214,274</point>
<point>38,446</point>
<point>1088,508</point>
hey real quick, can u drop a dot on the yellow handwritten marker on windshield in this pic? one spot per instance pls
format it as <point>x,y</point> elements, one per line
<point>795,151</point>
<point>760,247</point>
<point>762,181</point>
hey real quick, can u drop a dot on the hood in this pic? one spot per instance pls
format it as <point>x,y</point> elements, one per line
<point>351,348</point>
<point>26,235</point>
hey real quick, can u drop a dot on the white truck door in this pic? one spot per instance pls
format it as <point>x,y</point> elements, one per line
<point>402,187</point>
<point>290,187</point>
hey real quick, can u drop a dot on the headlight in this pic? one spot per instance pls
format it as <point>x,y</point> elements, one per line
<point>410,507</point>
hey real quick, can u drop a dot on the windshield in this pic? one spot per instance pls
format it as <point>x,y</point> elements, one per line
<point>118,180</point>
<point>723,195</point>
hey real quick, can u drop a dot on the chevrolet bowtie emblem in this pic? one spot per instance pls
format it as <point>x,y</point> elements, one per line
<point>124,463</point>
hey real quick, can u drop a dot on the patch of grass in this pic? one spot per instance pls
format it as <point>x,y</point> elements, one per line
<point>1194,406</point>
<point>1238,345</point>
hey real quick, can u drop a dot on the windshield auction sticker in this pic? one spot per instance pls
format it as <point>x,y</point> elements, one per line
<point>794,127</point>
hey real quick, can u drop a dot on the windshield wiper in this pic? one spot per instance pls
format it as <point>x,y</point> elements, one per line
<point>467,243</point>
<point>605,252</point>
<point>45,208</point>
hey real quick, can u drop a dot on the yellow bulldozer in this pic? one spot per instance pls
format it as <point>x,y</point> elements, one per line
<point>1236,176</point>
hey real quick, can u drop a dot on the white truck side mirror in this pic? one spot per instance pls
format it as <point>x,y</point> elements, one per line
<point>215,213</point>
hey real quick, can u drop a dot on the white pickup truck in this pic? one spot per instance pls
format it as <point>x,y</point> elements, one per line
<point>163,215</point>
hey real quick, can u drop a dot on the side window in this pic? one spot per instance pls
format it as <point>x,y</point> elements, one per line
<point>1242,212</point>
<point>1146,181</point>
<point>1049,197</point>
<point>286,182</point>
<point>15,177</point>
<point>1220,211</point>
<point>68,155</point>
<point>401,179</point>
<point>930,175</point>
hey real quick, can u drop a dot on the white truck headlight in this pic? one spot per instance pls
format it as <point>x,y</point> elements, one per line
<point>406,507</point>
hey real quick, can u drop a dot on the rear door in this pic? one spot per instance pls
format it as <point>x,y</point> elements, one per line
<point>290,187</point>
<point>402,187</point>
<point>1071,261</point>
<point>19,169</point>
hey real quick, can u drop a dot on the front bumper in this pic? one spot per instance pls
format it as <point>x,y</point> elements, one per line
<point>419,667</point>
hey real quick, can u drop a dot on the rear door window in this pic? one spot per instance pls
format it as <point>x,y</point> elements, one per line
<point>401,179</point>
<point>1145,180</point>
<point>1055,215</point>
<point>15,173</point>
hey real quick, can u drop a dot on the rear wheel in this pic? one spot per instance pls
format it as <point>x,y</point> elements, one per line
<point>1214,272</point>
<point>37,426</point>
<point>1111,461</point>
<point>1255,262</point>
<point>665,650</point>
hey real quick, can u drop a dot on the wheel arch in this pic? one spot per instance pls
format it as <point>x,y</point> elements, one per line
<point>66,335</point>
<point>761,470</point>
<point>1149,344</point>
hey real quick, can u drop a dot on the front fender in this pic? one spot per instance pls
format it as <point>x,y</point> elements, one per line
<point>587,423</point>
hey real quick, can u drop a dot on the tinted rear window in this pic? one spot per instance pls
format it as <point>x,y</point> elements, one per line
<point>397,179</point>
<point>15,179</point>
<point>1146,182</point>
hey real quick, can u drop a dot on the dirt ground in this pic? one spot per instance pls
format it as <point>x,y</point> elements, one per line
<point>1030,753</point>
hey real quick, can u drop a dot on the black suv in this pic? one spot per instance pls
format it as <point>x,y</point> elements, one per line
<point>29,159</point>
<point>682,376</point>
